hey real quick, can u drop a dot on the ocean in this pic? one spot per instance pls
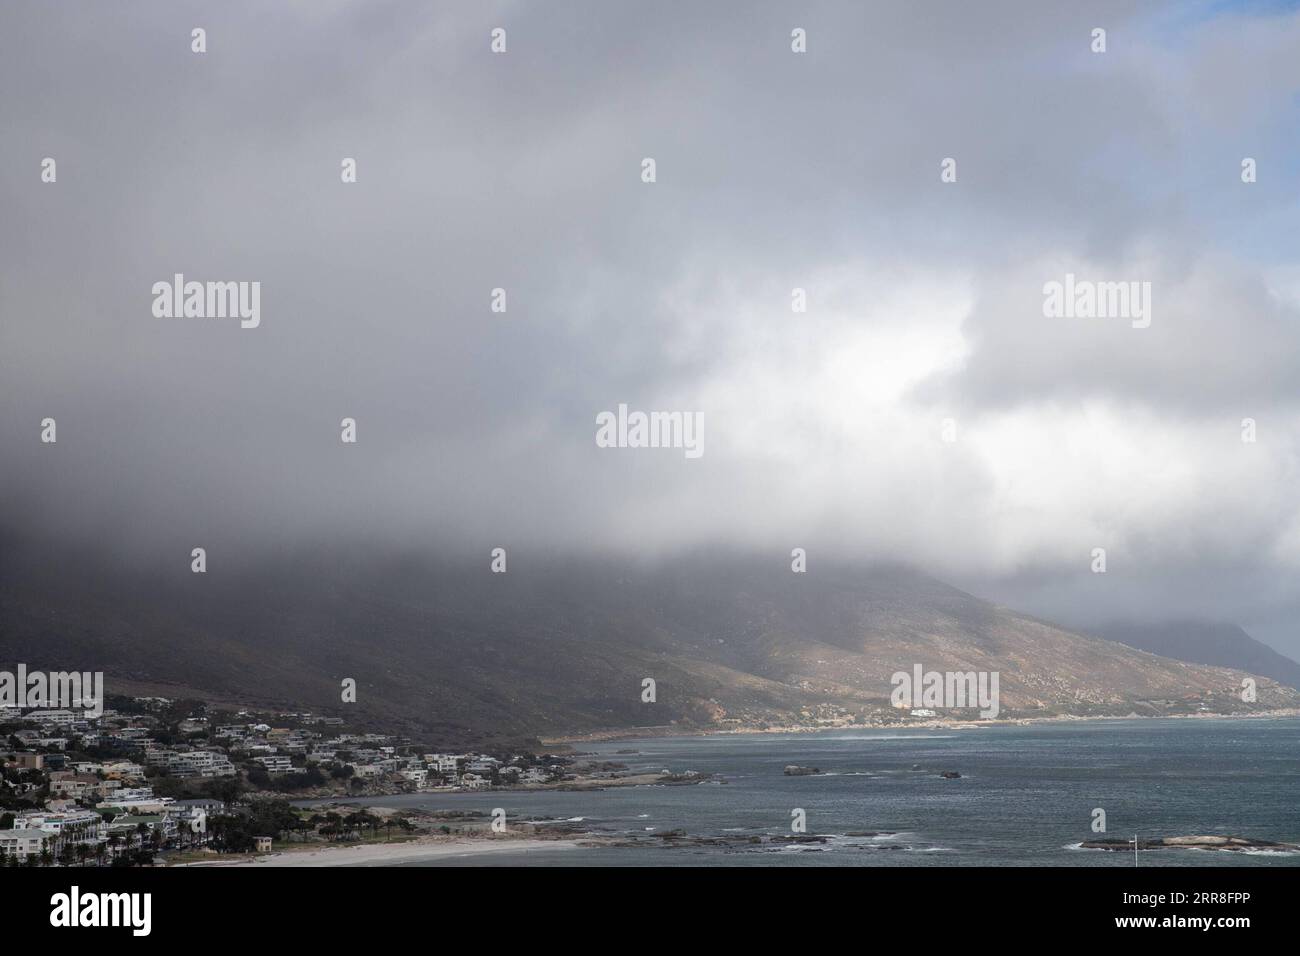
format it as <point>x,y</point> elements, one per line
<point>1026,796</point>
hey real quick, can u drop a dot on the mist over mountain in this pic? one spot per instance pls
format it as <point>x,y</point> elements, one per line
<point>922,412</point>
<point>522,172</point>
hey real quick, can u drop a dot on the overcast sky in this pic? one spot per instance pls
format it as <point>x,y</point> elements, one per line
<point>775,170</point>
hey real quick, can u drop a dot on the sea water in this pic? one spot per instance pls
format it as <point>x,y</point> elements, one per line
<point>1026,796</point>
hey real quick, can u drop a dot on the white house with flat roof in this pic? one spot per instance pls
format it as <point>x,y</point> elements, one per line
<point>23,843</point>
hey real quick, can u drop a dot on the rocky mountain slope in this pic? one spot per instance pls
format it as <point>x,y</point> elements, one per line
<point>1208,642</point>
<point>561,646</point>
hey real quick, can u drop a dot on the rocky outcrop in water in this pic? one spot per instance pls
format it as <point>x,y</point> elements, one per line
<point>1231,843</point>
<point>795,771</point>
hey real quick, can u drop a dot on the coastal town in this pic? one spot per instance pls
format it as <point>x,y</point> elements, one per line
<point>152,780</point>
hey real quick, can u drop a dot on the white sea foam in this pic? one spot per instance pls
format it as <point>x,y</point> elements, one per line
<point>1264,851</point>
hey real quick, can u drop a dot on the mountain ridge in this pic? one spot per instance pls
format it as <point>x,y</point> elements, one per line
<point>559,646</point>
<point>1214,643</point>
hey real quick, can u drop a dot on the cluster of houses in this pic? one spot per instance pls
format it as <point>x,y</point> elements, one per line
<point>102,822</point>
<point>74,785</point>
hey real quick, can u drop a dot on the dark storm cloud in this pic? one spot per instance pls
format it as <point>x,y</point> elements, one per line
<point>774,171</point>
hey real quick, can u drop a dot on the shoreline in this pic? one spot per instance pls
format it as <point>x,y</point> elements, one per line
<point>524,843</point>
<point>387,854</point>
<point>641,733</point>
<point>582,784</point>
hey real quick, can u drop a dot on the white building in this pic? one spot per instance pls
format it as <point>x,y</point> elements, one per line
<point>55,718</point>
<point>202,763</point>
<point>22,843</point>
<point>445,764</point>
<point>79,826</point>
<point>276,764</point>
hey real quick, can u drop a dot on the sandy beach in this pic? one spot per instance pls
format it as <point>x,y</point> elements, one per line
<point>384,854</point>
